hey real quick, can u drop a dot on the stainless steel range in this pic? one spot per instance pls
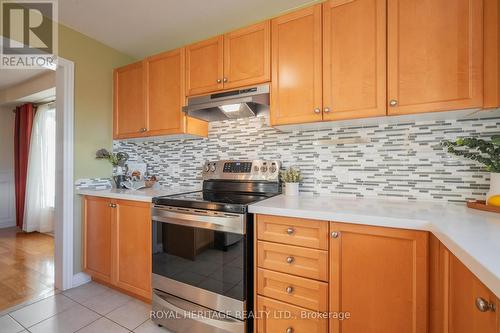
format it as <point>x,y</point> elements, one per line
<point>202,249</point>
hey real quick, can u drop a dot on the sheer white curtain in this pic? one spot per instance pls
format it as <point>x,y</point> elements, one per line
<point>40,183</point>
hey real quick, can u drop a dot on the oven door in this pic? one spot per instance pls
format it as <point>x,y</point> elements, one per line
<point>200,256</point>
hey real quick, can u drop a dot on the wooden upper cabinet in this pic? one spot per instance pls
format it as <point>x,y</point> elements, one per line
<point>97,231</point>
<point>354,59</point>
<point>379,275</point>
<point>133,247</point>
<point>204,66</point>
<point>165,95</point>
<point>129,114</point>
<point>296,88</point>
<point>435,55</point>
<point>491,54</point>
<point>149,97</point>
<point>247,56</point>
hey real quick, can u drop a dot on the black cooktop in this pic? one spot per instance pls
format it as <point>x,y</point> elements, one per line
<point>233,202</point>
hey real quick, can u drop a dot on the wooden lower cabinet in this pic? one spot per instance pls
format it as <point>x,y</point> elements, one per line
<point>454,293</point>
<point>133,247</point>
<point>293,231</point>
<point>97,222</point>
<point>380,279</point>
<point>280,317</point>
<point>379,275</point>
<point>307,293</point>
<point>117,244</point>
<point>304,262</point>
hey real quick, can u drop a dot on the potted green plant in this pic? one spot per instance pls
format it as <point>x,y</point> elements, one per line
<point>117,160</point>
<point>291,177</point>
<point>482,151</point>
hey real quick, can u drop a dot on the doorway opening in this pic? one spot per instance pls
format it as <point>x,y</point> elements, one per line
<point>48,245</point>
<point>27,171</point>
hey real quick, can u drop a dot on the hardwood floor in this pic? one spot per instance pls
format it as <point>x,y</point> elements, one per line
<point>26,266</point>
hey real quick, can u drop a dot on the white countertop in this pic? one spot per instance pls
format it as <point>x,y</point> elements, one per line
<point>472,236</point>
<point>145,195</point>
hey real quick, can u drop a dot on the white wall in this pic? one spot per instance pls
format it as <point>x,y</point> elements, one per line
<point>27,91</point>
<point>7,199</point>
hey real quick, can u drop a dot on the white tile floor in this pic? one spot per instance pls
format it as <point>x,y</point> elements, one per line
<point>90,308</point>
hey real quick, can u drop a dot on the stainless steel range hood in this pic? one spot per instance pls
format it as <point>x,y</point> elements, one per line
<point>232,104</point>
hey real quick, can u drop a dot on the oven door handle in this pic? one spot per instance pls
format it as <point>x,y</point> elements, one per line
<point>224,223</point>
<point>184,308</point>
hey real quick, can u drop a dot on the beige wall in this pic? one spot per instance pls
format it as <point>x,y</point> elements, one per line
<point>94,63</point>
<point>7,202</point>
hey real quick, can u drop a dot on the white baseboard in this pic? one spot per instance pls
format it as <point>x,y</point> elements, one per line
<point>7,223</point>
<point>80,278</point>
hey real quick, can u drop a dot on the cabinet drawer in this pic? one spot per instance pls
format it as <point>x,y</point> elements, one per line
<point>307,293</point>
<point>294,260</point>
<point>293,231</point>
<point>280,317</point>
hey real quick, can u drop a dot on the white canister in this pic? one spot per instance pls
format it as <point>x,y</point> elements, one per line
<point>291,189</point>
<point>494,185</point>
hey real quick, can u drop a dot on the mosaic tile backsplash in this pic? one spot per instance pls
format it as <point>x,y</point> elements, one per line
<point>402,161</point>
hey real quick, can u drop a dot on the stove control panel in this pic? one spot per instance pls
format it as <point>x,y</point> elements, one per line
<point>237,167</point>
<point>242,170</point>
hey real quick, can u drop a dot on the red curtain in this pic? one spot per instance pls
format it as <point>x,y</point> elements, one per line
<point>22,136</point>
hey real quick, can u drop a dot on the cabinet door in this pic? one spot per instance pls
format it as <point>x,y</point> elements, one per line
<point>132,245</point>
<point>247,56</point>
<point>97,219</point>
<point>379,275</point>
<point>491,54</point>
<point>454,290</point>
<point>435,55</point>
<point>165,95</point>
<point>204,66</point>
<point>354,59</point>
<point>463,291</point>
<point>296,87</point>
<point>129,116</point>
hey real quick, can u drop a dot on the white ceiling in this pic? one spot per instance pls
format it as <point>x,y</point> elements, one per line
<point>141,28</point>
<point>11,77</point>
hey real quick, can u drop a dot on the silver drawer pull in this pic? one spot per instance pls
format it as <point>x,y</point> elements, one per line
<point>289,330</point>
<point>290,260</point>
<point>290,231</point>
<point>289,290</point>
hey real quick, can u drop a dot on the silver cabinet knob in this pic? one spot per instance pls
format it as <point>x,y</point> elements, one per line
<point>289,290</point>
<point>335,234</point>
<point>290,259</point>
<point>393,102</point>
<point>290,231</point>
<point>289,330</point>
<point>225,79</point>
<point>326,110</point>
<point>219,80</point>
<point>142,130</point>
<point>484,306</point>
<point>317,110</point>
<point>110,205</point>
